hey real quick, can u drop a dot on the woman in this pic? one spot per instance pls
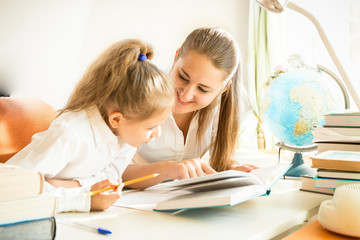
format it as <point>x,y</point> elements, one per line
<point>205,116</point>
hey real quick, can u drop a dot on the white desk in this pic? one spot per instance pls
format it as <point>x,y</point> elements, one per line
<point>261,218</point>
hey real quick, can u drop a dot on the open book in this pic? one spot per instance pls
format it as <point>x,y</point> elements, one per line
<point>225,188</point>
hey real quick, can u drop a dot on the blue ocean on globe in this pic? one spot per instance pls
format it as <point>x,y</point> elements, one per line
<point>294,103</point>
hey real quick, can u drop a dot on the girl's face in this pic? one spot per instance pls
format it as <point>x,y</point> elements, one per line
<point>136,133</point>
<point>197,82</point>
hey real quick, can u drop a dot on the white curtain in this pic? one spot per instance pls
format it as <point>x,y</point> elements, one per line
<point>265,51</point>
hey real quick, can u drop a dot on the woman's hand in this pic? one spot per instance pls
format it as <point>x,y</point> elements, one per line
<point>104,200</point>
<point>186,169</point>
<point>63,183</point>
<point>244,168</point>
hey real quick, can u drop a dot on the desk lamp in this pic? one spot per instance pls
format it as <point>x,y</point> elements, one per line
<point>298,167</point>
<point>275,6</point>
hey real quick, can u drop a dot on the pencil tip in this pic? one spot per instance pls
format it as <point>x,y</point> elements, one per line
<point>156,174</point>
<point>88,194</point>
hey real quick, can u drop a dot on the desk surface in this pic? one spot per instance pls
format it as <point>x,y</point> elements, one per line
<point>261,218</point>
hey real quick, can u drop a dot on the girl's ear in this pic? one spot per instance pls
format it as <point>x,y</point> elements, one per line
<point>115,118</point>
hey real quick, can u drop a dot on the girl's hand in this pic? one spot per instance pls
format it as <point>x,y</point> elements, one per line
<point>104,200</point>
<point>244,168</point>
<point>186,169</point>
<point>63,183</point>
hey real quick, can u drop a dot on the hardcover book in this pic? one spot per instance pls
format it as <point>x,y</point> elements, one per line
<point>308,185</point>
<point>350,119</point>
<point>325,173</point>
<point>28,208</point>
<point>337,160</point>
<point>336,134</point>
<point>337,146</point>
<point>333,183</point>
<point>17,182</point>
<point>39,229</point>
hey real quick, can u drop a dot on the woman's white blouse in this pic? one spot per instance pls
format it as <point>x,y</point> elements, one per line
<point>77,146</point>
<point>170,145</point>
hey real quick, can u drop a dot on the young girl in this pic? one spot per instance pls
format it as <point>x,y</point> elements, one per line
<point>117,106</point>
<point>206,113</point>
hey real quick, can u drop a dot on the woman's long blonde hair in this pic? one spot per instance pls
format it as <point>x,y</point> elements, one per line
<point>220,47</point>
<point>118,78</point>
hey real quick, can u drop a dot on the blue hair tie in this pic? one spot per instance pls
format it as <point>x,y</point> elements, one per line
<point>142,57</point>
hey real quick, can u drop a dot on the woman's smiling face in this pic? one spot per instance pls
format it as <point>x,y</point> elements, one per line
<point>197,82</point>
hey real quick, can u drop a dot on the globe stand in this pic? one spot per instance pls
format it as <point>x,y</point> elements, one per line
<point>298,166</point>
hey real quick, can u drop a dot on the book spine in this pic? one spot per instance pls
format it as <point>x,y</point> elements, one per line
<point>332,182</point>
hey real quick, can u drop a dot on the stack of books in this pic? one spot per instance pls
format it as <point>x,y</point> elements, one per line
<point>334,169</point>
<point>341,132</point>
<point>25,211</point>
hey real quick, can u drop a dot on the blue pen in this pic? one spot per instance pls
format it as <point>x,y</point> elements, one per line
<point>97,229</point>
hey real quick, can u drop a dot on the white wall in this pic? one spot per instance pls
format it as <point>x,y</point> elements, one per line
<point>46,45</point>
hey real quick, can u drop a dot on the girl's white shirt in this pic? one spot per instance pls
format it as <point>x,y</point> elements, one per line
<point>170,145</point>
<point>77,146</point>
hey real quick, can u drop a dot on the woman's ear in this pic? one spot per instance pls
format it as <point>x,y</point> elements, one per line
<point>115,118</point>
<point>227,86</point>
<point>177,52</point>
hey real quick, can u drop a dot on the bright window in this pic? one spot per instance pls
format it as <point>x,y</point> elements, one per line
<point>340,20</point>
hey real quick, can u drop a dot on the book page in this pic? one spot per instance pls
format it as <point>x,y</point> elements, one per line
<point>209,178</point>
<point>269,175</point>
<point>147,199</point>
<point>224,183</point>
<point>265,177</point>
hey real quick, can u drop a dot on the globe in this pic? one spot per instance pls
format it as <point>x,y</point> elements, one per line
<point>296,101</point>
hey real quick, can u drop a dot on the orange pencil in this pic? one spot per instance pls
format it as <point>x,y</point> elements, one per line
<point>91,193</point>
